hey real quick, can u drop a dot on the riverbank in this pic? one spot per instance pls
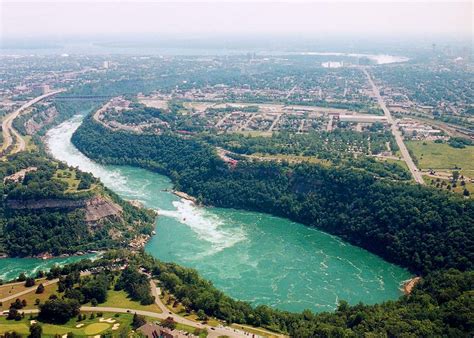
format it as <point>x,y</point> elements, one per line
<point>48,255</point>
<point>410,284</point>
<point>185,196</point>
<point>257,250</point>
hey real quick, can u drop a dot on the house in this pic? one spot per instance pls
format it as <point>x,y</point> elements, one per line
<point>152,330</point>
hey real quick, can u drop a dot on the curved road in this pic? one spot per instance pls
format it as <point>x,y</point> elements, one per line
<point>9,132</point>
<point>212,331</point>
<point>415,172</point>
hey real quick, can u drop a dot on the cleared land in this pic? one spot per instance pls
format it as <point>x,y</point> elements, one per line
<point>32,296</point>
<point>121,300</point>
<point>432,155</point>
<point>11,289</point>
<point>459,189</point>
<point>90,326</point>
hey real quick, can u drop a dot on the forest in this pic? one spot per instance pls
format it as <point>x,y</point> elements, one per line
<point>417,227</point>
<point>59,230</point>
<point>440,305</point>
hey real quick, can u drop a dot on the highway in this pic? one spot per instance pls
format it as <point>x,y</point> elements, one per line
<point>9,132</point>
<point>396,133</point>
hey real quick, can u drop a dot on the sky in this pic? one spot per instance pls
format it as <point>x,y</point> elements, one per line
<point>32,19</point>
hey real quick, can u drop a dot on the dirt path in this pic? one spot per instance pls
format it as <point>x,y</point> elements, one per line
<point>31,289</point>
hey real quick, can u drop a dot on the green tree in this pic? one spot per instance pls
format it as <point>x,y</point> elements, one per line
<point>35,330</point>
<point>40,288</point>
<point>29,282</point>
<point>59,311</point>
<point>169,323</point>
<point>138,321</point>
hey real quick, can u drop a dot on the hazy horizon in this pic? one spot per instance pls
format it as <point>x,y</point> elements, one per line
<point>192,20</point>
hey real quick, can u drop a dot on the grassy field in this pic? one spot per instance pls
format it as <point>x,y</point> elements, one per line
<point>10,289</point>
<point>30,145</point>
<point>458,189</point>
<point>255,133</point>
<point>120,299</point>
<point>401,163</point>
<point>432,155</point>
<point>255,330</point>
<point>32,296</point>
<point>69,177</point>
<point>290,158</point>
<point>90,326</point>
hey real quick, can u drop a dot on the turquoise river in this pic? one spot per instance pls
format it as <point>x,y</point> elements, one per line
<point>250,256</point>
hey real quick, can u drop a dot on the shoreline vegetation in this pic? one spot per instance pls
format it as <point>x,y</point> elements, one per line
<point>407,315</point>
<point>368,210</point>
<point>420,228</point>
<point>47,255</point>
<point>58,211</point>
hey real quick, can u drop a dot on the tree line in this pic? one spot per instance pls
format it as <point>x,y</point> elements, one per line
<point>416,227</point>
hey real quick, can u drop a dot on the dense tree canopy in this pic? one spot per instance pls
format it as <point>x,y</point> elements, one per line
<point>414,226</point>
<point>31,231</point>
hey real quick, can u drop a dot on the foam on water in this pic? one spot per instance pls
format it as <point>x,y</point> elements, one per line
<point>10,268</point>
<point>59,145</point>
<point>251,256</point>
<point>207,226</point>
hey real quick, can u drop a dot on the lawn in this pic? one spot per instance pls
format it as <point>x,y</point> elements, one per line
<point>10,289</point>
<point>401,163</point>
<point>291,158</point>
<point>95,328</point>
<point>69,177</point>
<point>90,326</point>
<point>432,155</point>
<point>255,330</point>
<point>120,299</point>
<point>32,296</point>
<point>254,133</point>
<point>459,188</point>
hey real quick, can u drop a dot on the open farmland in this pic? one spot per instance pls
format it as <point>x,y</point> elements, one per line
<point>432,155</point>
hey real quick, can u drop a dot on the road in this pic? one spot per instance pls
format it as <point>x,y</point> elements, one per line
<point>9,132</point>
<point>213,331</point>
<point>396,133</point>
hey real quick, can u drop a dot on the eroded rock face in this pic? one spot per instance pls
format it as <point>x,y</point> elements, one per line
<point>34,124</point>
<point>96,208</point>
<point>46,204</point>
